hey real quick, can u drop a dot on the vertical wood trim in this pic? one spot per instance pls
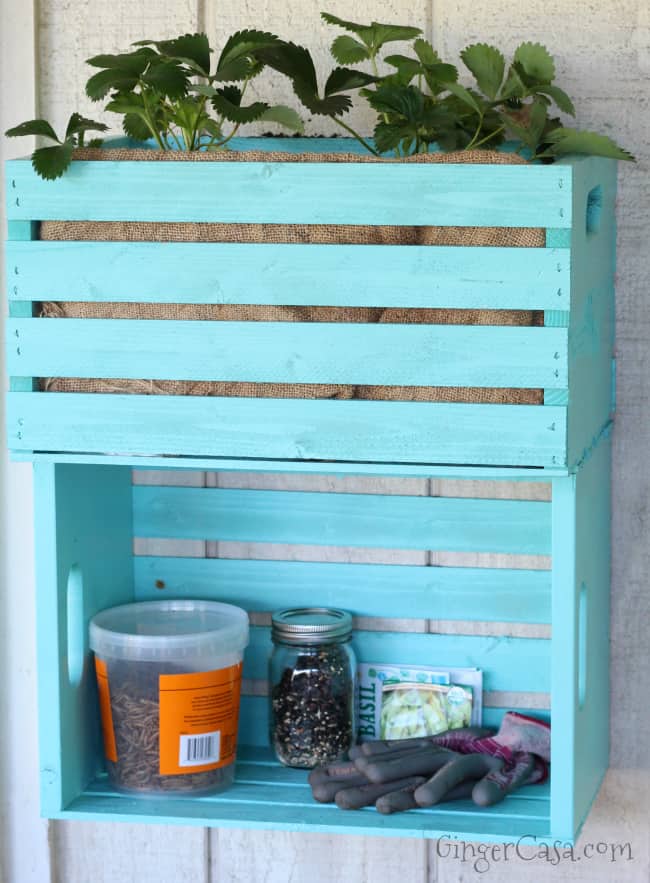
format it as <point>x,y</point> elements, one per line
<point>19,813</point>
<point>563,655</point>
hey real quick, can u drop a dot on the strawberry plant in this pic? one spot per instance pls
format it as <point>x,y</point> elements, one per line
<point>167,91</point>
<point>422,106</point>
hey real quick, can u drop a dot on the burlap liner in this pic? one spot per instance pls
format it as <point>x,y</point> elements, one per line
<point>118,231</point>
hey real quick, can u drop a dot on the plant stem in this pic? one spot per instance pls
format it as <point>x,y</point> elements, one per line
<point>228,137</point>
<point>152,128</point>
<point>488,137</point>
<point>472,143</point>
<point>356,135</point>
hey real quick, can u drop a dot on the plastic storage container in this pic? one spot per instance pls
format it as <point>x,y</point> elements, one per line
<point>312,672</point>
<point>169,678</point>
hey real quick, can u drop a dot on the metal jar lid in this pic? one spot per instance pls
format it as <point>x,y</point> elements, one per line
<point>311,625</point>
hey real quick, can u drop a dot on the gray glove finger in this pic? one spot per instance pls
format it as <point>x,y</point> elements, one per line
<point>365,795</point>
<point>414,763</point>
<point>404,799</point>
<point>325,791</point>
<point>339,771</point>
<point>457,770</point>
<point>493,787</point>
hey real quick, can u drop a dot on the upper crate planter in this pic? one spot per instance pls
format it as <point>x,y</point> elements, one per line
<point>571,280</point>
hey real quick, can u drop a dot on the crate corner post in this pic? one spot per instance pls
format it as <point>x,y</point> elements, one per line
<point>83,526</point>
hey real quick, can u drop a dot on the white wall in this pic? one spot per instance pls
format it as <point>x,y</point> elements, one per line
<point>603,54</point>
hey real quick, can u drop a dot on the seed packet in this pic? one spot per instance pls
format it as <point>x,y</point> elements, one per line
<point>401,703</point>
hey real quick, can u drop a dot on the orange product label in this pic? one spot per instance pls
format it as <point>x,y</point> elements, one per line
<point>108,732</point>
<point>199,714</point>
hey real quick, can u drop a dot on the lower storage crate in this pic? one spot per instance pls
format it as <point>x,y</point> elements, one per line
<point>531,609</point>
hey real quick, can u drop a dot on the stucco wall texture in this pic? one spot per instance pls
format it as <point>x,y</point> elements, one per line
<point>602,50</point>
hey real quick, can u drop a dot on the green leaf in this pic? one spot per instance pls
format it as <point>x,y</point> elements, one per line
<point>212,128</point>
<point>404,101</point>
<point>375,35</point>
<point>514,87</point>
<point>284,116</point>
<point>564,141</point>
<point>347,50</point>
<point>33,127</point>
<point>441,73</point>
<point>78,125</point>
<point>332,105</point>
<point>238,57</point>
<point>129,102</point>
<point>194,47</point>
<point>382,34</point>
<point>293,61</point>
<point>487,65</point>
<point>536,62</point>
<point>408,67</point>
<point>342,78</point>
<point>133,63</point>
<point>135,127</point>
<point>51,162</point>
<point>388,136</point>
<point>227,103</point>
<point>537,122</point>
<point>464,95</point>
<point>110,80</point>
<point>560,98</point>
<point>168,78</point>
<point>425,52</point>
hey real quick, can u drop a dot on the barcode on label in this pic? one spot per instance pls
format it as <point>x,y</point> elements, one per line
<point>199,750</point>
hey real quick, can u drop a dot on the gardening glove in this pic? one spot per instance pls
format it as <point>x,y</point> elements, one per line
<point>403,774</point>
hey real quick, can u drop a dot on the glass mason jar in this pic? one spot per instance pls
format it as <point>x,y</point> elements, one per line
<point>312,675</point>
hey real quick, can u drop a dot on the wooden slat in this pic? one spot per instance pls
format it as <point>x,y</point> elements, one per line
<point>518,664</point>
<point>348,275</point>
<point>252,810</point>
<point>296,193</point>
<point>306,467</point>
<point>365,589</point>
<point>253,735</point>
<point>290,352</point>
<point>370,520</point>
<point>407,432</point>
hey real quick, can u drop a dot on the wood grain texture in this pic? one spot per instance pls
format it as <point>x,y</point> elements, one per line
<point>291,352</point>
<point>296,193</point>
<point>68,33</point>
<point>348,275</point>
<point>286,429</point>
<point>19,812</point>
<point>616,32</point>
<point>369,520</point>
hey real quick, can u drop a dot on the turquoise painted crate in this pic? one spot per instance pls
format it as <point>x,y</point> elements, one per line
<point>88,514</point>
<point>571,280</point>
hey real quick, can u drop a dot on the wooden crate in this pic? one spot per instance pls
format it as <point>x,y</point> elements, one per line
<point>87,515</point>
<point>571,280</point>
<point>88,512</point>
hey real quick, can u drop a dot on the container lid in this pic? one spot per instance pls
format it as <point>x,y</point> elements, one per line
<point>153,630</point>
<point>311,625</point>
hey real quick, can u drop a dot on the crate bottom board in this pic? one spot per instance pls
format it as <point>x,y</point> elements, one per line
<point>267,795</point>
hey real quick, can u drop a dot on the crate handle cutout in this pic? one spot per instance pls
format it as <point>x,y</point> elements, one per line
<point>594,210</point>
<point>582,645</point>
<point>75,625</point>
